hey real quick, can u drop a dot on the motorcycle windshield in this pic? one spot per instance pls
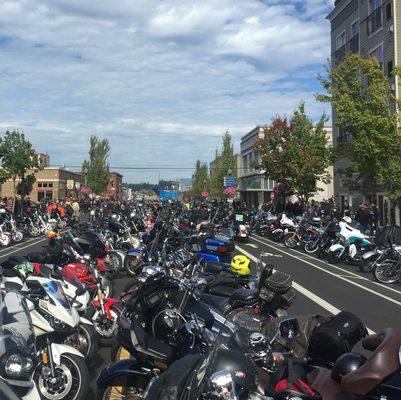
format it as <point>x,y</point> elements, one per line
<point>16,331</point>
<point>225,371</point>
<point>56,292</point>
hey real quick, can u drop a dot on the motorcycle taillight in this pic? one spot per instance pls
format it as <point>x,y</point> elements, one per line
<point>221,250</point>
<point>106,248</point>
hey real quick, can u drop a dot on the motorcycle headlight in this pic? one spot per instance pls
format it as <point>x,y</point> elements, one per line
<point>17,366</point>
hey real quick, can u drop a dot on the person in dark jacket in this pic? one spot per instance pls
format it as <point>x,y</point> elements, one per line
<point>364,218</point>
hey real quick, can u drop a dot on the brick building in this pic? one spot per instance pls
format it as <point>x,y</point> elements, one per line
<point>51,183</point>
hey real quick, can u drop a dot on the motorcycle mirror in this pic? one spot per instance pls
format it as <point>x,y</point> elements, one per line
<point>289,328</point>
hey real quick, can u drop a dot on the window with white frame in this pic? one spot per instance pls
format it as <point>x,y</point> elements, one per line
<point>341,40</point>
<point>355,29</point>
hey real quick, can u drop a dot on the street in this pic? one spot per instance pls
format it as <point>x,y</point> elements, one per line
<point>321,288</point>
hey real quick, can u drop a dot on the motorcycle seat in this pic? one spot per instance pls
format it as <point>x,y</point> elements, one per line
<point>216,267</point>
<point>217,302</point>
<point>244,296</point>
<point>382,363</point>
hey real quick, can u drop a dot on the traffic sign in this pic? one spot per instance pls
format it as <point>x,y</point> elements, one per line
<point>230,181</point>
<point>70,184</point>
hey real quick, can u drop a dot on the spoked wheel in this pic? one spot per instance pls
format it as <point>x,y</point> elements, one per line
<point>18,237</point>
<point>387,272</point>
<point>290,240</point>
<point>70,381</point>
<point>115,261</point>
<point>132,262</point>
<point>311,247</point>
<point>34,231</point>
<point>5,240</point>
<point>62,224</point>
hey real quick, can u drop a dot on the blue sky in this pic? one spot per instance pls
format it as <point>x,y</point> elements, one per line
<point>162,80</point>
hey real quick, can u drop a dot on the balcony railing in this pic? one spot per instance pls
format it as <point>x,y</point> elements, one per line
<point>375,21</point>
<point>352,46</point>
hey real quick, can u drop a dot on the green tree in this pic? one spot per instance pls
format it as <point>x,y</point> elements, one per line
<point>96,169</point>
<point>297,153</point>
<point>200,179</point>
<point>225,165</point>
<point>18,157</point>
<point>366,109</point>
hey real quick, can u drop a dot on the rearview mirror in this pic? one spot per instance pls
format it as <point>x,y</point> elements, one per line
<point>289,328</point>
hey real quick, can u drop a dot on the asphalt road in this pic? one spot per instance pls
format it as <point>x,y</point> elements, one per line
<point>321,288</point>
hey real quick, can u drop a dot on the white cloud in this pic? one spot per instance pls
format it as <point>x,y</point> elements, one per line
<point>161,80</point>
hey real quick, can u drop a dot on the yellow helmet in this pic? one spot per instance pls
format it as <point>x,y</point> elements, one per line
<point>51,234</point>
<point>240,265</point>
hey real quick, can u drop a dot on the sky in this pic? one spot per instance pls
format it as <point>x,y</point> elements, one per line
<point>161,80</point>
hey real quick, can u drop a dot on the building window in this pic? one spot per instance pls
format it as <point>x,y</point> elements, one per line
<point>375,20</point>
<point>390,67</point>
<point>50,185</point>
<point>378,54</point>
<point>44,184</point>
<point>389,12</point>
<point>341,40</point>
<point>39,184</point>
<point>374,5</point>
<point>355,29</point>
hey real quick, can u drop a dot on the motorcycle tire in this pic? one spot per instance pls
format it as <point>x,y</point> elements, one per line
<point>115,260</point>
<point>88,334</point>
<point>17,237</point>
<point>320,253</point>
<point>131,264</point>
<point>70,365</point>
<point>5,239</point>
<point>108,287</point>
<point>106,339</point>
<point>332,258</point>
<point>382,273</point>
<point>62,224</point>
<point>119,353</point>
<point>34,232</point>
<point>365,266</point>
<point>311,247</point>
<point>290,241</point>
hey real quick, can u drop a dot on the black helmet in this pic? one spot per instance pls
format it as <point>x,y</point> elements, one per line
<point>345,364</point>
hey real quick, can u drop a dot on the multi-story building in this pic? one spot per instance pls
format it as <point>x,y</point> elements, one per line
<point>371,28</point>
<point>254,187</point>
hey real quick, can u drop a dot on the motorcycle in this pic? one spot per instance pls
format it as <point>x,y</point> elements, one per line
<point>351,245</point>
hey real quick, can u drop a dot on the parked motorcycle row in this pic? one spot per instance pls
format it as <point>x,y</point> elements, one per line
<point>195,320</point>
<point>38,221</point>
<point>337,241</point>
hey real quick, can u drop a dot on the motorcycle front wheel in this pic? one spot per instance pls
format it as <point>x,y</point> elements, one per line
<point>311,247</point>
<point>333,257</point>
<point>132,262</point>
<point>115,261</point>
<point>5,239</point>
<point>86,341</point>
<point>72,377</point>
<point>387,272</point>
<point>290,240</point>
<point>106,329</point>
<point>18,237</point>
<point>34,231</point>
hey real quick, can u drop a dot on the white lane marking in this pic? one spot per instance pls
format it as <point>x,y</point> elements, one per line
<point>17,245</point>
<point>383,296</point>
<point>307,293</point>
<point>21,248</point>
<point>325,263</point>
<point>251,245</point>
